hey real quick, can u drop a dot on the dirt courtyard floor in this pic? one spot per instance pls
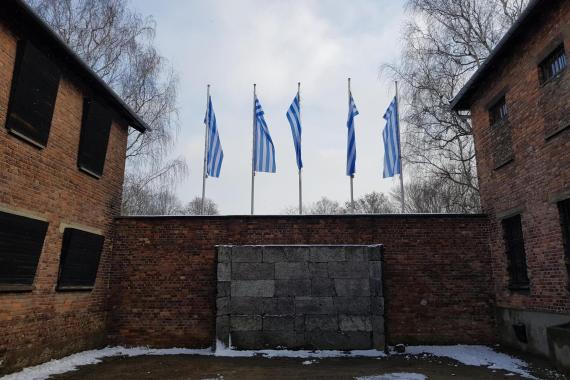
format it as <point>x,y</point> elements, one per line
<point>399,367</point>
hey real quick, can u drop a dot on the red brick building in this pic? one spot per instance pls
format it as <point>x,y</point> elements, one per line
<point>62,155</point>
<point>519,102</point>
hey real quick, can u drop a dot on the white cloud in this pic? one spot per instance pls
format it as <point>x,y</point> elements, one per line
<point>232,44</point>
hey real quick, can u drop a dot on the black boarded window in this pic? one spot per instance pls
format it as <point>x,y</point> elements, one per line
<point>95,130</point>
<point>553,64</point>
<point>498,112</point>
<point>564,208</point>
<point>21,242</point>
<point>34,91</point>
<point>516,256</point>
<point>79,260</point>
<point>501,133</point>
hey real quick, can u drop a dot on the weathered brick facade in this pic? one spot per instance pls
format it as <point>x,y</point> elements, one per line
<point>437,276</point>
<point>538,174</point>
<point>38,325</point>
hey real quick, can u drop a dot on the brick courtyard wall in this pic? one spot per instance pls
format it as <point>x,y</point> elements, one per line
<point>539,175</point>
<point>436,272</point>
<point>42,324</point>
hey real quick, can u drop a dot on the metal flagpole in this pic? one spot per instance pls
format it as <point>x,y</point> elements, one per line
<point>300,179</point>
<point>253,154</point>
<point>352,175</point>
<point>400,149</point>
<point>204,173</point>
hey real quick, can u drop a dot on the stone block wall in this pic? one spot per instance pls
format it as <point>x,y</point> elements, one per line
<point>316,297</point>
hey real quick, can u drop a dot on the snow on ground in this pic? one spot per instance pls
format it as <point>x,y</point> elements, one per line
<point>481,356</point>
<point>395,376</point>
<point>468,355</point>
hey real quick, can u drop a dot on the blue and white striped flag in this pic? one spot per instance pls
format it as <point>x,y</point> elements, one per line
<point>391,137</point>
<point>294,117</point>
<point>264,151</point>
<point>351,144</point>
<point>215,154</point>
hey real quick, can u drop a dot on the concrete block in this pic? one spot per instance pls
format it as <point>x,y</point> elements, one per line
<point>224,271</point>
<point>278,323</point>
<point>296,287</point>
<point>222,305</point>
<point>245,323</point>
<point>253,288</point>
<point>223,289</point>
<point>352,287</point>
<point>355,323</point>
<point>223,329</point>
<point>224,254</point>
<point>352,305</point>
<point>378,341</point>
<point>321,322</point>
<point>375,269</point>
<point>348,269</point>
<point>314,305</point>
<point>246,305</point>
<point>318,269</point>
<point>326,254</point>
<point>559,344</point>
<point>299,323</point>
<point>328,340</point>
<point>253,271</point>
<point>375,253</point>
<point>356,254</point>
<point>378,324</point>
<point>248,340</point>
<point>285,254</point>
<point>278,306</point>
<point>284,339</point>
<point>286,271</point>
<point>377,304</point>
<point>246,255</point>
<point>322,287</point>
<point>376,289</point>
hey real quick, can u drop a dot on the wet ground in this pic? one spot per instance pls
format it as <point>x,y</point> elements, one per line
<point>178,367</point>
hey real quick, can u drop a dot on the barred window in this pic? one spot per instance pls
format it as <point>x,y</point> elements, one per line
<point>516,256</point>
<point>498,112</point>
<point>553,65</point>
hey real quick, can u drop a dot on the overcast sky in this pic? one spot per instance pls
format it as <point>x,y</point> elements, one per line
<point>277,43</point>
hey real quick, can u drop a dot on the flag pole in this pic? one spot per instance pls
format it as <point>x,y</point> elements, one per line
<point>253,155</point>
<point>352,175</point>
<point>300,178</point>
<point>400,149</point>
<point>204,172</point>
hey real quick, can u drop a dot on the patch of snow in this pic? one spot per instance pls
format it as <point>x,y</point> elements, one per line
<point>395,376</point>
<point>481,356</point>
<point>309,362</point>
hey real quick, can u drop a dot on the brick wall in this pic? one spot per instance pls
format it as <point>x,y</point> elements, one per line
<point>39,325</point>
<point>437,273</point>
<point>539,173</point>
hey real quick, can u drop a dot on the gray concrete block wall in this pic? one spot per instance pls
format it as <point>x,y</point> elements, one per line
<point>300,297</point>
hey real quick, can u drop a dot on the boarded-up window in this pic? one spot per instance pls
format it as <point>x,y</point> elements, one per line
<point>553,64</point>
<point>34,90</point>
<point>94,137</point>
<point>79,261</point>
<point>21,242</point>
<point>516,256</point>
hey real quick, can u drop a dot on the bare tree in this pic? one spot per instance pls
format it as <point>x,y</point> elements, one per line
<point>371,203</point>
<point>194,207</point>
<point>444,42</point>
<point>117,43</point>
